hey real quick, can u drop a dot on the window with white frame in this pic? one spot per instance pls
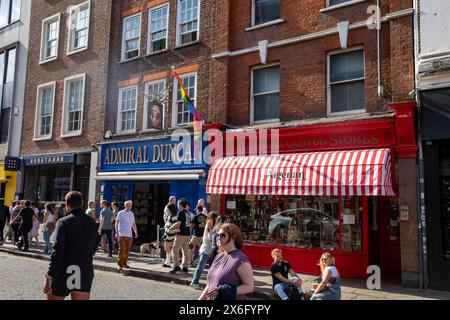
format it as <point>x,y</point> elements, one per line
<point>181,111</point>
<point>50,38</point>
<point>131,37</point>
<point>154,106</point>
<point>44,113</point>
<point>336,2</point>
<point>346,90</point>
<point>7,74</point>
<point>157,28</point>
<point>266,94</point>
<point>9,12</point>
<point>188,21</point>
<point>79,27</point>
<point>266,11</point>
<point>73,105</point>
<point>127,109</point>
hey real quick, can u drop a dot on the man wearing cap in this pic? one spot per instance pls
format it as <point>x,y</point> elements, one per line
<point>4,218</point>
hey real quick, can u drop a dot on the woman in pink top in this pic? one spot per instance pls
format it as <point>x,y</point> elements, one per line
<point>230,276</point>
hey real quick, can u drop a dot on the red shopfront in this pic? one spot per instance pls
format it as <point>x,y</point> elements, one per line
<point>320,193</point>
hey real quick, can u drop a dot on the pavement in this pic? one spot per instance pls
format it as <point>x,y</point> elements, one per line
<point>147,267</point>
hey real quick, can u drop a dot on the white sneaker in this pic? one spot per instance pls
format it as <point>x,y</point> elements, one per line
<point>195,286</point>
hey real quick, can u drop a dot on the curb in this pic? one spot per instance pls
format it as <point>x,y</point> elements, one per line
<point>149,275</point>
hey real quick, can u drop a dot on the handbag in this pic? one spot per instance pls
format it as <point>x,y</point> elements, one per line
<point>51,226</point>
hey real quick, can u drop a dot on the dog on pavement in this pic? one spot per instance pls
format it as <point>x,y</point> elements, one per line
<point>152,248</point>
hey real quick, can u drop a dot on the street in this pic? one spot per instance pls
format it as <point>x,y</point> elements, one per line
<point>23,279</point>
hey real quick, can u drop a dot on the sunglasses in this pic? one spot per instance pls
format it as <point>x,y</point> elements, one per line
<point>222,235</point>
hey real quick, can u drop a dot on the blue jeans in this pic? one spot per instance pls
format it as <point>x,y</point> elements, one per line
<point>332,292</point>
<point>279,290</point>
<point>48,244</point>
<point>200,267</point>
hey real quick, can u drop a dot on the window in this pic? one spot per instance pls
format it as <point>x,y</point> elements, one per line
<point>7,70</point>
<point>293,221</point>
<point>50,38</point>
<point>131,37</point>
<point>9,12</point>
<point>44,111</point>
<point>444,185</point>
<point>266,94</point>
<point>127,110</point>
<point>265,11</point>
<point>73,105</point>
<point>79,27</point>
<point>346,82</point>
<point>336,2</point>
<point>157,28</point>
<point>188,21</point>
<point>154,107</point>
<point>181,114</point>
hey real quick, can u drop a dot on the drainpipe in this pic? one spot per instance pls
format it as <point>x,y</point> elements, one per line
<point>420,163</point>
<point>380,86</point>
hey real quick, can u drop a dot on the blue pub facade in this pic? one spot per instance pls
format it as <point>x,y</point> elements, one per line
<point>148,172</point>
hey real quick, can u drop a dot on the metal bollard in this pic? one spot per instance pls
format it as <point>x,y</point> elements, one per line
<point>157,242</point>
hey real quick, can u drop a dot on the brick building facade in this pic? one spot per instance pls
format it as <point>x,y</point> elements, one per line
<point>310,70</point>
<point>144,101</point>
<point>65,96</point>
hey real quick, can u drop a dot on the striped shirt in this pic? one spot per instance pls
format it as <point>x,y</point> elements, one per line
<point>224,270</point>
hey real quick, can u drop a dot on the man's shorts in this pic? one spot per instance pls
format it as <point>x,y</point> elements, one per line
<point>60,288</point>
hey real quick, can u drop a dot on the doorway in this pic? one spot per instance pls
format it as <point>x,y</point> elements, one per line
<point>149,200</point>
<point>2,190</point>
<point>384,237</point>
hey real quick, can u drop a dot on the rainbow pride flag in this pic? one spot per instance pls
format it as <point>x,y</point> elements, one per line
<point>198,122</point>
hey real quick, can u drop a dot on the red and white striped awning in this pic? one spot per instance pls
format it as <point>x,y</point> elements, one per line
<point>336,173</point>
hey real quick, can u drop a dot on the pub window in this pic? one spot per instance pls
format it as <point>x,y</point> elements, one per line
<point>50,38</point>
<point>266,94</point>
<point>126,121</point>
<point>79,27</point>
<point>188,21</point>
<point>181,113</point>
<point>44,111</point>
<point>265,11</point>
<point>157,28</point>
<point>131,37</point>
<point>346,83</point>
<point>9,12</point>
<point>7,70</point>
<point>73,105</point>
<point>154,107</point>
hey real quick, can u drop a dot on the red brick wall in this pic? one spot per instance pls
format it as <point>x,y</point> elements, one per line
<point>196,54</point>
<point>93,62</point>
<point>303,66</point>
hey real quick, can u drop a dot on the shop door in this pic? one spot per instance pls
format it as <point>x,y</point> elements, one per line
<point>389,235</point>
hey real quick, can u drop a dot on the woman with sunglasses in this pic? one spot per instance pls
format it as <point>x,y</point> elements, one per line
<point>230,276</point>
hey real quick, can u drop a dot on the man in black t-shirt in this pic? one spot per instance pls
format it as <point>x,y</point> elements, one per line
<point>280,275</point>
<point>26,225</point>
<point>182,238</point>
<point>4,218</point>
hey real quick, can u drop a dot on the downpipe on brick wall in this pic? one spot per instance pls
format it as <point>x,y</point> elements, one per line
<point>380,86</point>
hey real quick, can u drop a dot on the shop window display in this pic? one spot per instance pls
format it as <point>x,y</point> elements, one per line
<point>302,222</point>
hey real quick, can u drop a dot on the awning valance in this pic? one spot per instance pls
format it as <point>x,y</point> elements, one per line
<point>335,173</point>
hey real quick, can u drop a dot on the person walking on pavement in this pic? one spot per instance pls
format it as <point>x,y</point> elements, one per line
<point>27,216</point>
<point>48,227</point>
<point>205,249</point>
<point>170,217</point>
<point>71,269</point>
<point>182,239</point>
<point>125,225</point>
<point>15,223</point>
<point>106,225</point>
<point>4,219</point>
<point>198,228</point>
<point>115,212</point>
